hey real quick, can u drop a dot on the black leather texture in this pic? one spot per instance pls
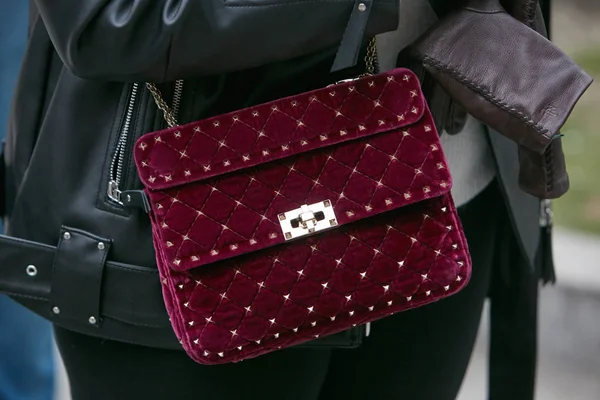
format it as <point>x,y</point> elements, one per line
<point>354,35</point>
<point>77,273</point>
<point>174,39</point>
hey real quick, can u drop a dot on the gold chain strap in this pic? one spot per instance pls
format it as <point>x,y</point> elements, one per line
<point>371,57</point>
<point>169,115</point>
<point>162,104</point>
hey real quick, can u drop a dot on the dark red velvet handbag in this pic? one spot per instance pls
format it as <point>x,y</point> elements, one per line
<point>299,218</point>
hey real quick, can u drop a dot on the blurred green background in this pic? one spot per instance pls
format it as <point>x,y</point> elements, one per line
<point>576,29</point>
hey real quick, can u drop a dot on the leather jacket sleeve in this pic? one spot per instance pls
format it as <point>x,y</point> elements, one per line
<point>115,39</point>
<point>163,40</point>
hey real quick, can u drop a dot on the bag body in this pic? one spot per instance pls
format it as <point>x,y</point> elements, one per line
<point>299,218</point>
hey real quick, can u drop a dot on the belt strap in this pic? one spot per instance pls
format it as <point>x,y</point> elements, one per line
<point>347,55</point>
<point>125,303</point>
<point>74,287</point>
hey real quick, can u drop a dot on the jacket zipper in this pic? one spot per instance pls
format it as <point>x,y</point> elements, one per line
<point>177,94</point>
<point>115,182</point>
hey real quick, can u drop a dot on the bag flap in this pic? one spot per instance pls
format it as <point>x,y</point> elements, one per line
<point>279,129</point>
<point>227,185</point>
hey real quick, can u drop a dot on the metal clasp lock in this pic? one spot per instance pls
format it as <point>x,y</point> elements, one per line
<point>307,220</point>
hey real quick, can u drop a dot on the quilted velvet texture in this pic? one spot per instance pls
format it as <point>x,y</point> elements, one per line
<point>233,286</point>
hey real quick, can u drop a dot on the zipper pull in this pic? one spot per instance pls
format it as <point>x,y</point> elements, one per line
<point>547,271</point>
<point>546,214</point>
<point>113,192</point>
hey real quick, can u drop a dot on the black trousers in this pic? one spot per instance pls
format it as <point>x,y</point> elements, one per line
<point>419,354</point>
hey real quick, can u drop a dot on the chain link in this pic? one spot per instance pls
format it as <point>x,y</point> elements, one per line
<point>370,69</point>
<point>162,104</point>
<point>371,57</point>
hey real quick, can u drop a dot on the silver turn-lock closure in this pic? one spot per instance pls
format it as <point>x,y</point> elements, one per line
<point>307,220</point>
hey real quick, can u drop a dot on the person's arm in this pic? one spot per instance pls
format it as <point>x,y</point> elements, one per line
<point>163,40</point>
<point>121,39</point>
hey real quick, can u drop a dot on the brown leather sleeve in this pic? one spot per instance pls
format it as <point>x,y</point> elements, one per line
<point>511,78</point>
<point>544,176</point>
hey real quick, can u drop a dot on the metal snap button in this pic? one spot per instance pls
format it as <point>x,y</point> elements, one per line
<point>31,270</point>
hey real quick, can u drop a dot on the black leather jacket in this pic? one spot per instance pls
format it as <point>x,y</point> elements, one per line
<point>77,112</point>
<point>79,106</point>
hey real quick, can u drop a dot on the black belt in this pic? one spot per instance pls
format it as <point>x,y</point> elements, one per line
<point>74,286</point>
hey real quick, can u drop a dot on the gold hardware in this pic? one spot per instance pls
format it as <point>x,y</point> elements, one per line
<point>371,57</point>
<point>169,114</point>
<point>307,220</point>
<point>162,105</point>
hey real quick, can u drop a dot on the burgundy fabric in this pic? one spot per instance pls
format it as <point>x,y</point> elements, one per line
<point>233,287</point>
